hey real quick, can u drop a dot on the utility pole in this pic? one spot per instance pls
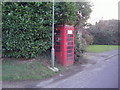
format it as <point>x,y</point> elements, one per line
<point>53,68</point>
<point>52,51</point>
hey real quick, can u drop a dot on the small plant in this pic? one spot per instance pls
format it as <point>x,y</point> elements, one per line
<point>80,46</point>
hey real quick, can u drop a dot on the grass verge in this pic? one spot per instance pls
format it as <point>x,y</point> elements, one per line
<point>25,70</point>
<point>101,48</point>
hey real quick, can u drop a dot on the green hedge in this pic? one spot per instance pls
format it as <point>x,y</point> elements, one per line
<point>27,26</point>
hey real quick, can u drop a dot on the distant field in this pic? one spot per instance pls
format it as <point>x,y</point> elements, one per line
<point>101,48</point>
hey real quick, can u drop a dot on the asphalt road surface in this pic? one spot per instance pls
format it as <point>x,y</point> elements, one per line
<point>102,75</point>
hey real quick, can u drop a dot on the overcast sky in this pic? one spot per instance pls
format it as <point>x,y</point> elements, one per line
<point>104,9</point>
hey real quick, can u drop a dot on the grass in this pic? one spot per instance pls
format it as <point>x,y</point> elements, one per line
<point>101,48</point>
<point>14,70</point>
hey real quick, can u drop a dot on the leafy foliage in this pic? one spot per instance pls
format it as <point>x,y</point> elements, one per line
<point>80,46</point>
<point>83,13</point>
<point>65,12</point>
<point>27,25</point>
<point>81,39</point>
<point>26,29</point>
<point>88,37</point>
<point>105,32</point>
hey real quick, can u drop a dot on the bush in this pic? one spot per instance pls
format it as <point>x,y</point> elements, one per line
<point>26,32</point>
<point>65,13</point>
<point>82,39</point>
<point>88,37</point>
<point>27,25</point>
<point>80,46</point>
<point>105,32</point>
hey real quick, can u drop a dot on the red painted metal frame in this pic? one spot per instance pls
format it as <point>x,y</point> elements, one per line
<point>64,55</point>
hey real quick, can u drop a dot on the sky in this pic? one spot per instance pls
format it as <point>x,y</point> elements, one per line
<point>103,9</point>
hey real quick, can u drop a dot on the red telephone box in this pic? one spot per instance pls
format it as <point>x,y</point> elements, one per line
<point>64,44</point>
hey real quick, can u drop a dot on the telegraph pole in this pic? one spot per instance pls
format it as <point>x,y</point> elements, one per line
<point>52,50</point>
<point>53,68</point>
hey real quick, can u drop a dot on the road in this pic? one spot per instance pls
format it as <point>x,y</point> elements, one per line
<point>102,75</point>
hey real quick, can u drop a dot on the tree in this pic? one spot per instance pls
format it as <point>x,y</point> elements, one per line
<point>81,39</point>
<point>105,32</point>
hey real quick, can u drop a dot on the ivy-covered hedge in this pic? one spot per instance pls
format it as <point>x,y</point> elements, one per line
<point>26,28</point>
